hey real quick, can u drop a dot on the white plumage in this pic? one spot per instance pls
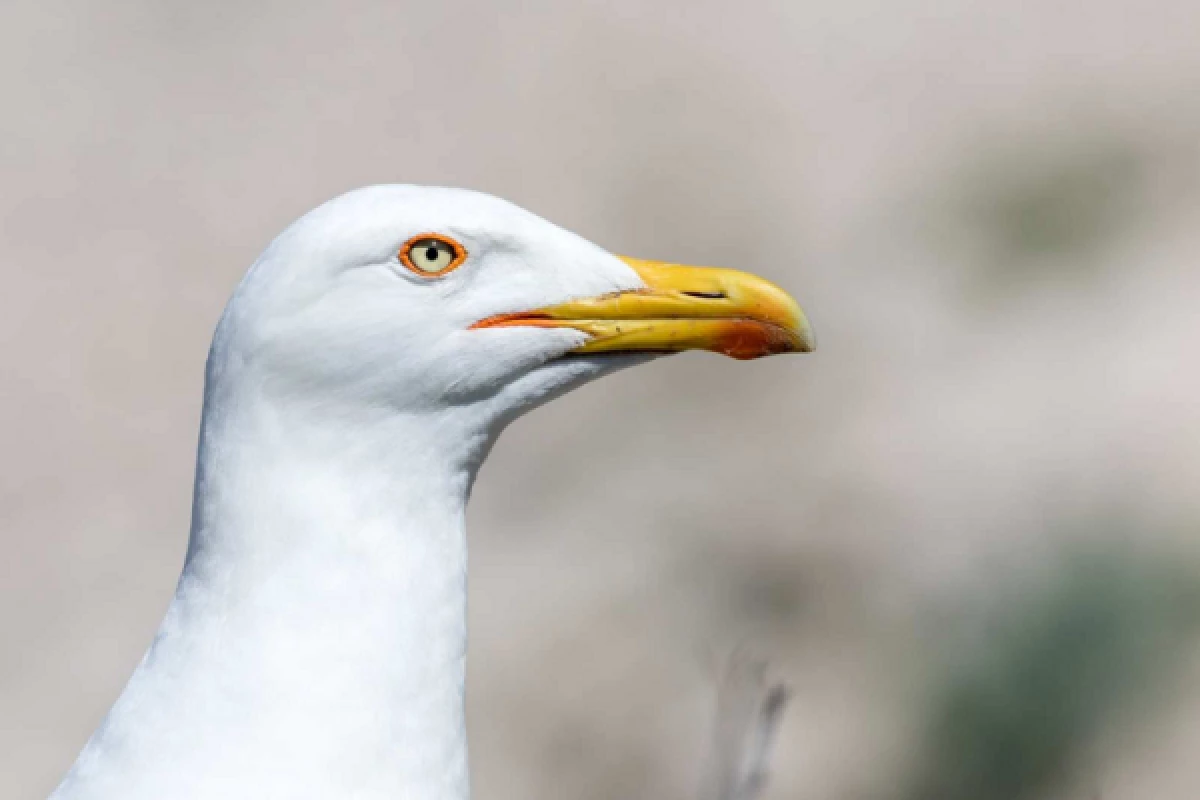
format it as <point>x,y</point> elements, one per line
<point>315,646</point>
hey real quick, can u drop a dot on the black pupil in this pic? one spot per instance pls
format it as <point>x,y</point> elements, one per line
<point>431,253</point>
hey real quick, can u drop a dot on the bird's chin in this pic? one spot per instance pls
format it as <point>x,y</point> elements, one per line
<point>559,376</point>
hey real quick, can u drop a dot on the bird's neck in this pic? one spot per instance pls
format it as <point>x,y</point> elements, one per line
<point>316,643</point>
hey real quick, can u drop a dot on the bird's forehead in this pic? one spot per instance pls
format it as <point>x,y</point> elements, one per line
<point>367,226</point>
<point>393,210</point>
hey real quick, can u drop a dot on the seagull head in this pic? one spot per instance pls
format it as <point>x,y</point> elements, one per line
<point>315,646</point>
<point>414,299</point>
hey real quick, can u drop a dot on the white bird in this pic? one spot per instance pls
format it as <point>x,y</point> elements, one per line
<point>316,643</point>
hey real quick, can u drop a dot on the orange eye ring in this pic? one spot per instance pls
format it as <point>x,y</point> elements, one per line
<point>432,255</point>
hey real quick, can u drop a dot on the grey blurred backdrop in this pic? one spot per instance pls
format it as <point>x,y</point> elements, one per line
<point>990,211</point>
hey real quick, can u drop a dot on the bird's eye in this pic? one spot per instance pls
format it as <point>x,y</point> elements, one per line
<point>432,254</point>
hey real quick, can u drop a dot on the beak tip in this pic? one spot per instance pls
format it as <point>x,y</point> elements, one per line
<point>806,338</point>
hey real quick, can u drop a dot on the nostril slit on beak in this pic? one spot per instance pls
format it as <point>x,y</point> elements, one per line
<point>707,295</point>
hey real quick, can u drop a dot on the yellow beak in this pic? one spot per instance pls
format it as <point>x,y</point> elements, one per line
<point>681,308</point>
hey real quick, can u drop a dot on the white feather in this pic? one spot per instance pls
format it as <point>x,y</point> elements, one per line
<point>315,645</point>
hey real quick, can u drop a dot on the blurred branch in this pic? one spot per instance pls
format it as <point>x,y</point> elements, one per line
<point>749,710</point>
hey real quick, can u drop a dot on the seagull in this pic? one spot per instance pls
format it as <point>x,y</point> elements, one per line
<point>315,646</point>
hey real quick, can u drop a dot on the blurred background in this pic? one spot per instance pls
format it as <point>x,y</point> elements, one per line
<point>964,531</point>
